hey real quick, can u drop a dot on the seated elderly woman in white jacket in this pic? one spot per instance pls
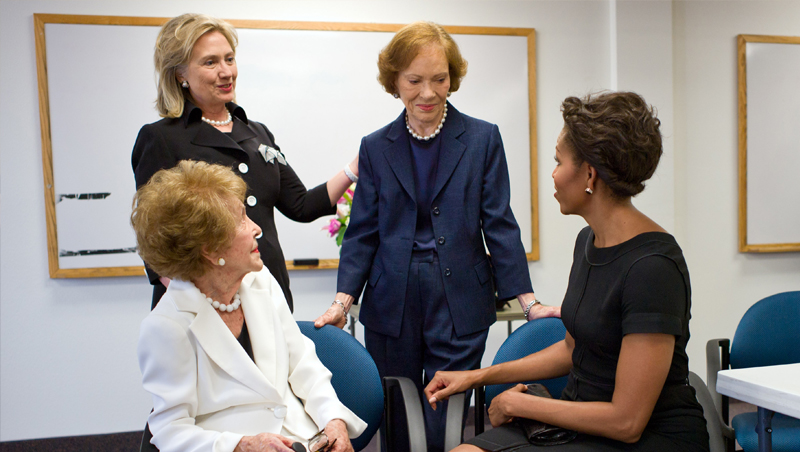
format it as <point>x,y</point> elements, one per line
<point>227,366</point>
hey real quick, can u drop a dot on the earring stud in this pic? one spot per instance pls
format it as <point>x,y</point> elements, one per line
<point>185,84</point>
<point>221,261</point>
<point>396,96</point>
<point>589,190</point>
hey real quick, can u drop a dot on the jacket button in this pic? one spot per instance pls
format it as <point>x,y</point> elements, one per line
<point>251,201</point>
<point>447,272</point>
<point>243,168</point>
<point>280,412</point>
<point>441,240</point>
<point>436,211</point>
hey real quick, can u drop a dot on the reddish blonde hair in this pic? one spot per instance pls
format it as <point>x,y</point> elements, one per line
<point>183,213</point>
<point>406,45</point>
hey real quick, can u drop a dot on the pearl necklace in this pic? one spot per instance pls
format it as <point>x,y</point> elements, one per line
<point>225,307</point>
<point>431,136</point>
<point>219,123</point>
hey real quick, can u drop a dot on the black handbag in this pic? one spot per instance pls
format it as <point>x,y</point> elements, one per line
<point>540,433</point>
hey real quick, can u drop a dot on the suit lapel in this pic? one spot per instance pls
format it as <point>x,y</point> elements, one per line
<point>207,136</point>
<point>398,155</point>
<point>262,324</point>
<point>451,151</point>
<point>242,131</point>
<point>217,341</point>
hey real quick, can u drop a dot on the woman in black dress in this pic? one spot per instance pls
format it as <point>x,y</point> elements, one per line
<point>195,59</point>
<point>626,308</point>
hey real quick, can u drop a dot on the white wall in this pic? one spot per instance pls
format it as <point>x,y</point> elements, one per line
<point>67,347</point>
<point>724,282</point>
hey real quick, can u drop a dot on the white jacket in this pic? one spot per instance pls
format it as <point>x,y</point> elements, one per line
<point>207,393</point>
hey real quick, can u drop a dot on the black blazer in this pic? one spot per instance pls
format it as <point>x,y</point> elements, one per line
<point>269,184</point>
<point>470,203</point>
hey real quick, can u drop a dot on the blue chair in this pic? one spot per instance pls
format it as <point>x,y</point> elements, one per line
<point>406,390</point>
<point>767,335</point>
<point>355,377</point>
<point>528,339</point>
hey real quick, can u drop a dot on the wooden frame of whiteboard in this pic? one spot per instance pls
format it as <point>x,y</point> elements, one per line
<point>47,152</point>
<point>744,246</point>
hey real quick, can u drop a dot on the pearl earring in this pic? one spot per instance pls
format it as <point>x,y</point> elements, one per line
<point>449,93</point>
<point>185,84</point>
<point>221,261</point>
<point>396,96</point>
<point>589,190</point>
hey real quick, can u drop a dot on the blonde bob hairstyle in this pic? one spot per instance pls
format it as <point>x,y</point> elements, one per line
<point>173,50</point>
<point>185,212</point>
<point>406,45</point>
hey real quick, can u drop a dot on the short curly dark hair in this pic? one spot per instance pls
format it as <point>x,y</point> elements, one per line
<point>618,134</point>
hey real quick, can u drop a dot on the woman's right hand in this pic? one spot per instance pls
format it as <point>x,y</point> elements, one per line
<point>264,442</point>
<point>336,315</point>
<point>444,384</point>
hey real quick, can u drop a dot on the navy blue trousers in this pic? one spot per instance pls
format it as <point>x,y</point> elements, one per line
<point>427,343</point>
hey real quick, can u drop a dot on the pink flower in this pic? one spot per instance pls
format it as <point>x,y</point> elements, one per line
<point>333,227</point>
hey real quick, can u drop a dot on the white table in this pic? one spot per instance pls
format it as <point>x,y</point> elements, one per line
<point>772,389</point>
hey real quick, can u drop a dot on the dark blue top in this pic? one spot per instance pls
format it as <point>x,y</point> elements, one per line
<point>425,155</point>
<point>244,341</point>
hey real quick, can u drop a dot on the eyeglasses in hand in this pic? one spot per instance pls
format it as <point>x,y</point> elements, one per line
<point>320,443</point>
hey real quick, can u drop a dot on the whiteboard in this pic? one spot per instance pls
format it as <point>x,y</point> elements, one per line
<point>771,138</point>
<point>313,84</point>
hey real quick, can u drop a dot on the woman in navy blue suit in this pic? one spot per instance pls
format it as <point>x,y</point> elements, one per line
<point>433,186</point>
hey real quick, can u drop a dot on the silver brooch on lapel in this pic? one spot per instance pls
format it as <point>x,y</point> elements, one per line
<point>271,154</point>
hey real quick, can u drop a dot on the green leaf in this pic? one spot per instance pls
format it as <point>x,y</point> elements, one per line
<point>340,235</point>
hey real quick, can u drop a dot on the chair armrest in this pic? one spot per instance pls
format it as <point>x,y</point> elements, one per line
<point>454,433</point>
<point>717,358</point>
<point>480,404</point>
<point>730,438</point>
<point>411,400</point>
<point>146,446</point>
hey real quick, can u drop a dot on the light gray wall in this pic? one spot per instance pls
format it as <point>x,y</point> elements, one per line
<point>724,282</point>
<point>68,347</point>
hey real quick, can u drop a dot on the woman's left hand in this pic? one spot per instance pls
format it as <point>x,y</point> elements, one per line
<point>500,409</point>
<point>336,430</point>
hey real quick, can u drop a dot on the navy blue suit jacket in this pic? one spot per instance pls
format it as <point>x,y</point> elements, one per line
<point>470,203</point>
